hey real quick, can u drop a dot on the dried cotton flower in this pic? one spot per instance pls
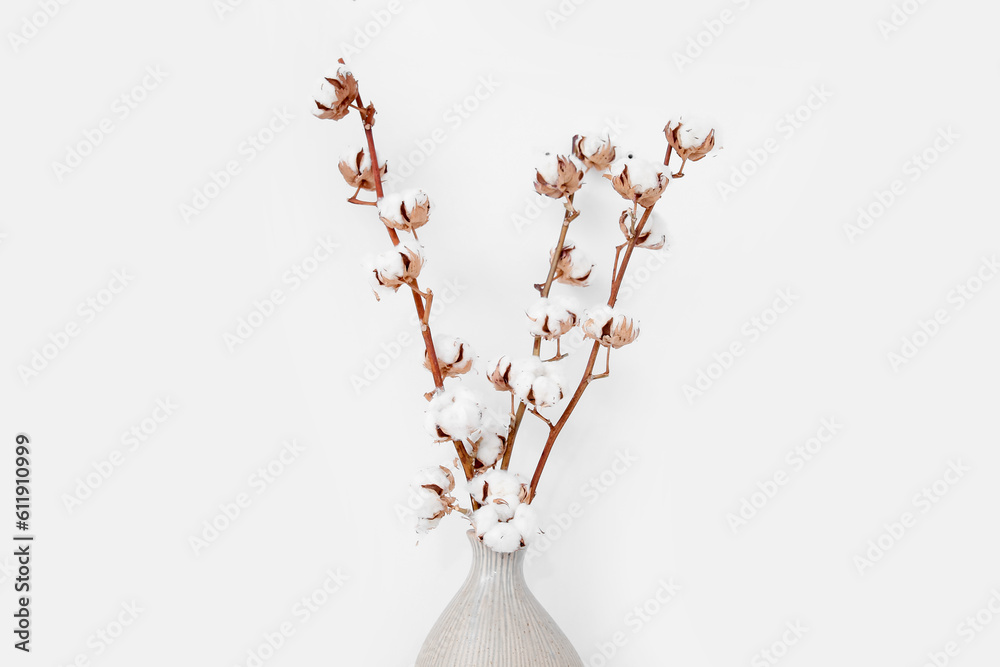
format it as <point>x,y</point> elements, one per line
<point>594,152</point>
<point>432,488</point>
<point>503,538</point>
<point>653,235</point>
<point>454,356</point>
<point>550,318</point>
<point>454,413</point>
<point>335,94</point>
<point>535,382</point>
<point>499,373</point>
<point>690,140</point>
<point>405,211</point>
<point>638,180</point>
<point>573,266</point>
<point>557,177</point>
<point>608,327</point>
<point>397,267</point>
<point>356,168</point>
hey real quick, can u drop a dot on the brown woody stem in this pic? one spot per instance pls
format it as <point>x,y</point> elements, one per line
<point>423,314</point>
<point>588,373</point>
<point>536,348</point>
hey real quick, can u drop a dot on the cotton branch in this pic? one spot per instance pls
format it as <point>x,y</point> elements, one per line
<point>588,373</point>
<point>543,289</point>
<point>367,114</point>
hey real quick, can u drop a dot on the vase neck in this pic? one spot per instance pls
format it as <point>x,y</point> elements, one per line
<point>490,568</point>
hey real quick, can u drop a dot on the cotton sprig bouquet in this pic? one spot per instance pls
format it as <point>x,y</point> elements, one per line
<point>499,501</point>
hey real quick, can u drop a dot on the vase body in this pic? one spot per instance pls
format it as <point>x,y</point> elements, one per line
<point>495,621</point>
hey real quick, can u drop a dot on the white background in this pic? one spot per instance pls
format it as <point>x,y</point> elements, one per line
<point>335,507</point>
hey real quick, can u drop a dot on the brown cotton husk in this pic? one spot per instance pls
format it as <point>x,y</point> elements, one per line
<point>345,88</point>
<point>461,365</point>
<point>567,271</point>
<point>355,176</point>
<point>692,153</point>
<point>569,178</point>
<point>622,183</point>
<point>500,374</point>
<point>599,160</point>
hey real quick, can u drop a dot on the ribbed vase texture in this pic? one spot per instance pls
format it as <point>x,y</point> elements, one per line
<point>495,621</point>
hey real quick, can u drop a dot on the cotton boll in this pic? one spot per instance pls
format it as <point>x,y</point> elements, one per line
<point>484,519</point>
<point>526,522</point>
<point>573,267</point>
<point>521,385</point>
<point>558,176</point>
<point>505,505</point>
<point>438,476</point>
<point>454,414</point>
<point>350,154</point>
<point>450,349</point>
<point>326,95</point>
<point>523,373</point>
<point>534,382</point>
<point>389,207</point>
<point>550,318</point>
<point>427,525</point>
<point>390,264</point>
<point>429,503</point>
<point>454,356</point>
<point>654,236</point>
<point>643,174</point>
<point>502,483</point>
<point>595,319</point>
<point>548,167</point>
<point>503,538</point>
<point>546,391</point>
<point>474,487</point>
<point>694,130</point>
<point>489,449</point>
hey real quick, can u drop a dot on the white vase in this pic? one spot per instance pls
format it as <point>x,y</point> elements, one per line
<point>495,621</point>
